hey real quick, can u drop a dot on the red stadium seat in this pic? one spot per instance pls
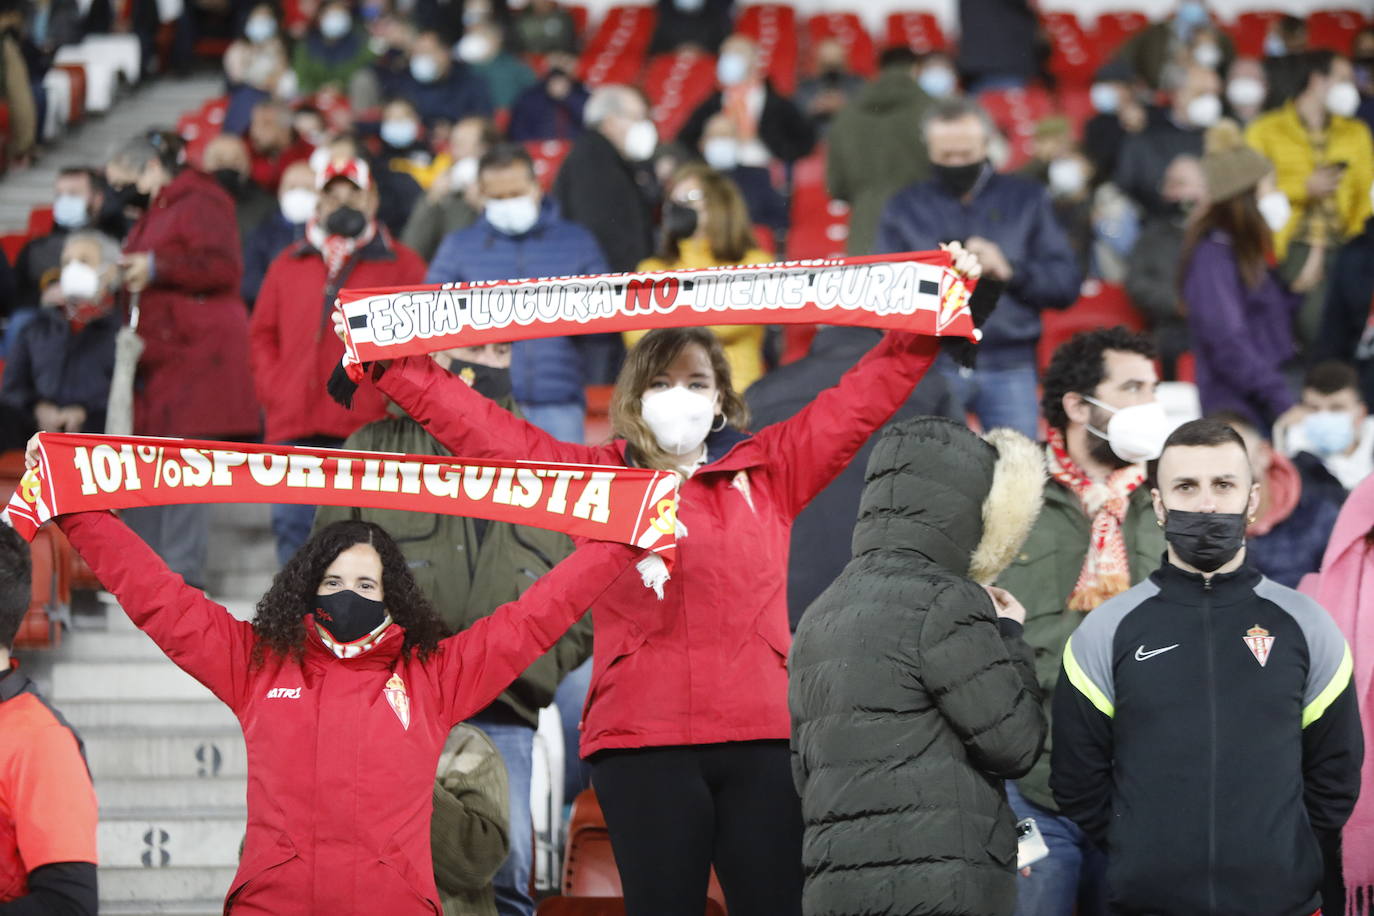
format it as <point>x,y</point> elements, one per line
<point>579,17</point>
<point>1249,29</point>
<point>77,106</point>
<point>1334,29</point>
<point>40,221</point>
<point>919,31</point>
<point>1112,29</point>
<point>597,431</point>
<point>51,590</point>
<point>12,244</point>
<point>1100,305</point>
<point>548,156</point>
<point>676,84</point>
<point>615,53</point>
<point>582,906</point>
<point>1073,56</point>
<point>848,30</point>
<point>773,27</point>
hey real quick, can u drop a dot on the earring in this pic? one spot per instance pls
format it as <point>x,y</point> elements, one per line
<point>716,429</point>
<point>1251,520</point>
<point>1158,522</point>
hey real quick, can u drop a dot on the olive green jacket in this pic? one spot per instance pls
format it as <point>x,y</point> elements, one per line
<point>1043,575</point>
<point>466,578</point>
<point>470,831</point>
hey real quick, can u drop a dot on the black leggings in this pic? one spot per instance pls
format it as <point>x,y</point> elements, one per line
<point>675,811</point>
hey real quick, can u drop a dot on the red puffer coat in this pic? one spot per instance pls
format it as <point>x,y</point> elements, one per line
<point>709,662</point>
<point>193,377</point>
<point>341,752</point>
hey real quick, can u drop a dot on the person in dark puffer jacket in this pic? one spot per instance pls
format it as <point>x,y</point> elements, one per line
<point>911,701</point>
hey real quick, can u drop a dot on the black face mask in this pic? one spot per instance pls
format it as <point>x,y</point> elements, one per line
<point>679,222</point>
<point>231,180</point>
<point>1205,540</point>
<point>958,179</point>
<point>130,196</point>
<point>487,381</point>
<point>346,221</point>
<point>347,615</point>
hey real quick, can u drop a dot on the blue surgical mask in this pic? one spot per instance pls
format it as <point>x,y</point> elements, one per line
<point>1191,14</point>
<point>70,211</point>
<point>732,68</point>
<point>260,28</point>
<point>335,24</point>
<point>937,82</point>
<point>1104,98</point>
<point>399,134</point>
<point>1329,432</point>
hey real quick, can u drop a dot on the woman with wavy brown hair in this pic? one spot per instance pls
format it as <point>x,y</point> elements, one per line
<point>706,224</point>
<point>686,723</point>
<point>346,685</point>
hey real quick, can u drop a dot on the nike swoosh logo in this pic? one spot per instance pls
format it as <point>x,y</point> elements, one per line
<point>1141,655</point>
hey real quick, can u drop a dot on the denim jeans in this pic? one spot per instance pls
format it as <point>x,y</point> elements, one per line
<point>512,881</point>
<point>1074,873</point>
<point>566,422</point>
<point>998,397</point>
<point>291,523</point>
<point>570,698</point>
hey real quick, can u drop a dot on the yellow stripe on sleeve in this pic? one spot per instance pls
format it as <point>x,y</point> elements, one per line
<point>1317,708</point>
<point>1079,679</point>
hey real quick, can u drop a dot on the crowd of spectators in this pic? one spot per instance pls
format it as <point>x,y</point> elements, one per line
<point>383,144</point>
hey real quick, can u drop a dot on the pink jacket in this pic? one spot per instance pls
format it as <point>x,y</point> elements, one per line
<point>708,663</point>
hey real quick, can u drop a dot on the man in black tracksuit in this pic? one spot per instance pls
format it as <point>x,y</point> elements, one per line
<point>1206,730</point>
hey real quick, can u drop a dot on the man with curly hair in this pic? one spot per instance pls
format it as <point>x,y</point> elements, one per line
<point>1095,537</point>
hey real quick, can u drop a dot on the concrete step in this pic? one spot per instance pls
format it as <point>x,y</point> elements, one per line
<point>165,715</point>
<point>156,679</point>
<point>109,645</point>
<point>119,796</point>
<point>120,754</point>
<point>180,890</point>
<point>171,839</point>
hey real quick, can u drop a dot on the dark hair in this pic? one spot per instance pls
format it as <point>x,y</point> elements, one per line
<point>1079,365</point>
<point>83,171</point>
<point>897,56</point>
<point>1310,64</point>
<point>1290,26</point>
<point>16,580</point>
<point>491,134</point>
<point>503,155</point>
<point>154,144</point>
<point>277,625</point>
<point>1251,241</point>
<point>1330,376</point>
<point>728,228</point>
<point>1207,433</point>
<point>651,356</point>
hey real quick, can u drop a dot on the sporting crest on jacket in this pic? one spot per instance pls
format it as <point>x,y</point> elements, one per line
<point>396,695</point>
<point>741,483</point>
<point>1259,642</point>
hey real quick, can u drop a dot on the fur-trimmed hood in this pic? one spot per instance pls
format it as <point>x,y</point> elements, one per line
<point>965,503</point>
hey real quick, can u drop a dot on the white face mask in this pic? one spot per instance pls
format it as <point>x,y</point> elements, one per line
<point>1067,177</point>
<point>641,139</point>
<point>335,24</point>
<point>678,418</point>
<point>721,153</point>
<point>1134,433</point>
<point>1245,92</point>
<point>1275,209</point>
<point>513,215</point>
<point>260,28</point>
<point>937,82</point>
<point>463,172</point>
<point>424,68</point>
<point>732,68</point>
<point>399,133</point>
<point>476,48</point>
<point>298,205</point>
<point>1207,55</point>
<point>1342,99</point>
<point>79,281</point>
<point>1204,110</point>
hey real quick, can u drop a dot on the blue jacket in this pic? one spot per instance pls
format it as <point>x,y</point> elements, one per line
<point>1294,547</point>
<point>460,93</point>
<point>547,371</point>
<point>264,243</point>
<point>1018,216</point>
<point>536,115</point>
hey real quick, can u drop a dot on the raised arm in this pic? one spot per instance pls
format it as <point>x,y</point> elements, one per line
<point>467,423</point>
<point>807,450</point>
<point>204,639</point>
<point>474,666</point>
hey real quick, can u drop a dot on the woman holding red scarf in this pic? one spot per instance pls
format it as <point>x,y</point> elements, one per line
<point>686,724</point>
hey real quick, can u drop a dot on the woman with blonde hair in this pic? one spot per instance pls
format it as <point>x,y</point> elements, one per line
<point>706,224</point>
<point>686,724</point>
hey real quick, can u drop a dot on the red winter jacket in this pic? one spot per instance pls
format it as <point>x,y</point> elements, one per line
<point>709,662</point>
<point>193,376</point>
<point>294,346</point>
<point>339,786</point>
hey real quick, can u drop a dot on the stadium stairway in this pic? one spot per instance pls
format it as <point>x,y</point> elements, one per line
<point>167,757</point>
<point>155,104</point>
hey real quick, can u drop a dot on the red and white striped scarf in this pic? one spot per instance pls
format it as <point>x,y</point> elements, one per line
<point>1106,569</point>
<point>337,249</point>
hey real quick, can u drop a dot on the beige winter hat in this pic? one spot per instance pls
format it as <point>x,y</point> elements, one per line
<point>1230,166</point>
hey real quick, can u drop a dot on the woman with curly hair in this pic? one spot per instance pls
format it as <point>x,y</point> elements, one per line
<point>686,722</point>
<point>346,686</point>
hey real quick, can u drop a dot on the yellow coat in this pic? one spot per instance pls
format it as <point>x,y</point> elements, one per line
<point>1282,138</point>
<point>743,342</point>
